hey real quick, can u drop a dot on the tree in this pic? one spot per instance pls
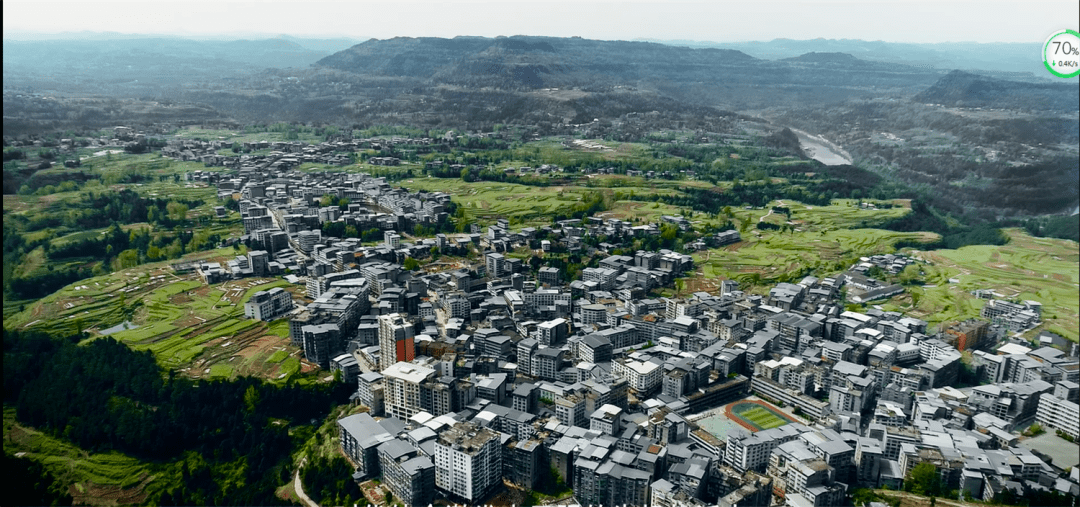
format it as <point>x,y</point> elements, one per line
<point>325,201</point>
<point>411,264</point>
<point>909,275</point>
<point>924,480</point>
<point>177,211</point>
<point>251,399</point>
<point>127,259</point>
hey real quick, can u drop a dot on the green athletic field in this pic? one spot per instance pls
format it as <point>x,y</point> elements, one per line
<point>759,416</point>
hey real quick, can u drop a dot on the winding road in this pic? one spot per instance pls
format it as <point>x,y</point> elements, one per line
<point>299,487</point>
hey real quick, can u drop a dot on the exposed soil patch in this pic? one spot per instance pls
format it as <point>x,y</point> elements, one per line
<point>97,494</point>
<point>186,322</point>
<point>180,299</point>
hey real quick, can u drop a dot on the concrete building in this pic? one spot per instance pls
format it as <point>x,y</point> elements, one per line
<point>606,419</point>
<point>642,377</point>
<point>402,388</point>
<point>320,342</point>
<point>468,461</point>
<point>267,305</point>
<point>396,340</point>
<point>360,437</point>
<point>408,474</point>
<point>1059,413</point>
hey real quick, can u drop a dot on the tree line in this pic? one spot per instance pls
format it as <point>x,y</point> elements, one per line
<point>226,441</point>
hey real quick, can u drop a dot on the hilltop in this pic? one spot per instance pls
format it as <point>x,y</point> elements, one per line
<point>959,88</point>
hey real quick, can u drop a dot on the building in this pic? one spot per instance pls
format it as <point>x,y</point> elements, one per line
<point>360,437</point>
<point>593,314</point>
<point>267,305</point>
<point>259,261</point>
<point>642,377</point>
<point>970,334</point>
<point>408,474</point>
<point>606,419</point>
<point>522,462</point>
<point>468,461</point>
<point>552,332</point>
<point>751,451</point>
<point>402,389</point>
<point>396,340</point>
<point>370,392</point>
<point>548,276</point>
<point>495,265</point>
<point>1059,413</point>
<point>321,342</point>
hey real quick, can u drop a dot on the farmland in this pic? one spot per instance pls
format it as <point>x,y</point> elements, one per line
<point>1040,269</point>
<point>189,326</point>
<point>825,240</point>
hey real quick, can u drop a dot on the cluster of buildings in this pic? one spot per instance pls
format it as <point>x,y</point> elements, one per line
<point>267,155</point>
<point>492,371</point>
<point>598,382</point>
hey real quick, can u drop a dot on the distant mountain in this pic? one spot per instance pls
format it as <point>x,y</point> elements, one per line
<point>1002,59</point>
<point>835,58</point>
<point>969,90</point>
<point>703,75</point>
<point>534,62</point>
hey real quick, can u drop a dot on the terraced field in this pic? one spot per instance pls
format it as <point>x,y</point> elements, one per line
<point>823,242</point>
<point>190,327</point>
<point>1040,269</point>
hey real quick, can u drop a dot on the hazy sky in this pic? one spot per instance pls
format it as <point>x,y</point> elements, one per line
<point>721,21</point>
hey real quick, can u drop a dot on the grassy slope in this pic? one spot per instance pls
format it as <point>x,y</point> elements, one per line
<point>822,241</point>
<point>1040,269</point>
<point>95,478</point>
<point>189,326</point>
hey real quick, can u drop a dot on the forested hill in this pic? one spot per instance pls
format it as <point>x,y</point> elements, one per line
<point>538,62</point>
<point>963,89</point>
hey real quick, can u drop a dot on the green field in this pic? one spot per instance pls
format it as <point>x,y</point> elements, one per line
<point>826,240</point>
<point>759,416</point>
<point>96,478</point>
<point>1027,268</point>
<point>190,327</point>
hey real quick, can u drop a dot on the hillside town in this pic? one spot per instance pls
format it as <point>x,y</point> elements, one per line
<point>481,369</point>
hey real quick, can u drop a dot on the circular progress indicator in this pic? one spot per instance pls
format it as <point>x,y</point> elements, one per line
<point>1061,53</point>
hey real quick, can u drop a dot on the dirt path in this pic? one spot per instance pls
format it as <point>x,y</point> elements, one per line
<point>910,500</point>
<point>762,219</point>
<point>299,487</point>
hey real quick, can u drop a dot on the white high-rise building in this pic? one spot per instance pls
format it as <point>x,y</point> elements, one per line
<point>396,342</point>
<point>468,461</point>
<point>401,388</point>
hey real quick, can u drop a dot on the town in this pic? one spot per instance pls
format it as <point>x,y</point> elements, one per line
<point>483,369</point>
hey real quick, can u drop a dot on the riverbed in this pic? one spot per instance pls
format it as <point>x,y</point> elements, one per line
<point>820,149</point>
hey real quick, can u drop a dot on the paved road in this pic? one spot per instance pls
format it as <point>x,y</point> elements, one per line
<point>299,487</point>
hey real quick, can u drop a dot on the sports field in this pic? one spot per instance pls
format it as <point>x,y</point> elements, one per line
<point>756,415</point>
